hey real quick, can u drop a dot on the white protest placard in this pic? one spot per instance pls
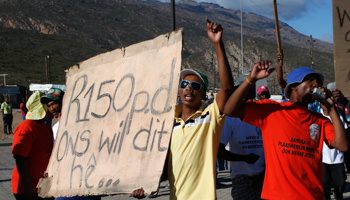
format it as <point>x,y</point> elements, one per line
<point>117,120</point>
<point>341,34</point>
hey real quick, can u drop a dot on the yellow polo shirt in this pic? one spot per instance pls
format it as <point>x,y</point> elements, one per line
<point>192,155</point>
<point>6,107</point>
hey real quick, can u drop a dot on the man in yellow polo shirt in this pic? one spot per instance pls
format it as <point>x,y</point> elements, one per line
<point>197,130</point>
<point>6,107</point>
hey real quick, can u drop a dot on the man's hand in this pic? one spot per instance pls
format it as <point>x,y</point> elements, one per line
<point>261,70</point>
<point>280,79</point>
<point>139,194</point>
<point>327,102</point>
<point>214,31</point>
<point>337,95</point>
<point>280,56</point>
<point>251,158</point>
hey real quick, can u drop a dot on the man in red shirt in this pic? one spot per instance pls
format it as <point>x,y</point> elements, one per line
<point>23,108</point>
<point>292,135</point>
<point>31,147</point>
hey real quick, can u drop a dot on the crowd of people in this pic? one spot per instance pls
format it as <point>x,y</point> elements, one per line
<point>277,150</point>
<point>285,160</point>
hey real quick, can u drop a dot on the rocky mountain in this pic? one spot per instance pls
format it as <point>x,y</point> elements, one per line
<point>71,31</point>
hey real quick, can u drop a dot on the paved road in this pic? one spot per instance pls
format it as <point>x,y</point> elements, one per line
<point>7,163</point>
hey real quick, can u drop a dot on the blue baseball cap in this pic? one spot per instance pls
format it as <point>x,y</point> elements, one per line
<point>298,75</point>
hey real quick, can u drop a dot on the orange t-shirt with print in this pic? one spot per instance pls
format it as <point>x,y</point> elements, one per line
<point>293,137</point>
<point>34,141</point>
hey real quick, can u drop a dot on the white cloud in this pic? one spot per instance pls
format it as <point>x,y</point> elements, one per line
<point>287,9</point>
<point>309,17</point>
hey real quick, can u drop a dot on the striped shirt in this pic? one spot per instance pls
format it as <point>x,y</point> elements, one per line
<point>193,151</point>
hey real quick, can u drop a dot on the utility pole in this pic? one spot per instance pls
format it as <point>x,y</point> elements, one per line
<point>242,36</point>
<point>311,45</point>
<point>173,13</point>
<point>47,66</point>
<point>4,75</point>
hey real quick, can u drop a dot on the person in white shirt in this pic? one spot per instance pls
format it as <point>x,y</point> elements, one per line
<point>334,174</point>
<point>246,155</point>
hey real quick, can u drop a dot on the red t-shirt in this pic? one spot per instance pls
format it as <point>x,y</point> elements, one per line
<point>22,106</point>
<point>293,137</point>
<point>34,141</point>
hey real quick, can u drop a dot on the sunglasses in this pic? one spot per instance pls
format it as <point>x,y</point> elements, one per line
<point>194,85</point>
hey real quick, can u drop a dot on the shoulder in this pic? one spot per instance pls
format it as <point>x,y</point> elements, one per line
<point>269,102</point>
<point>213,109</point>
<point>264,105</point>
<point>26,124</point>
<point>24,129</point>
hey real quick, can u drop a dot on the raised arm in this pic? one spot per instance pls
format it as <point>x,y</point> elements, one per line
<point>214,32</point>
<point>280,79</point>
<point>340,141</point>
<point>233,106</point>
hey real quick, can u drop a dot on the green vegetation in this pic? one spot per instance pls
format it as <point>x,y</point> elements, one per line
<point>23,53</point>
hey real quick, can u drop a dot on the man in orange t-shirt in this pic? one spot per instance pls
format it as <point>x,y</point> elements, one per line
<point>292,135</point>
<point>31,147</point>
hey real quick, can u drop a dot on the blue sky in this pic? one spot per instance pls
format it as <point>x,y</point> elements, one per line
<point>309,17</point>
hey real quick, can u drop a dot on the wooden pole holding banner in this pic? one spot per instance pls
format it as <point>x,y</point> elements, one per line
<point>277,28</point>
